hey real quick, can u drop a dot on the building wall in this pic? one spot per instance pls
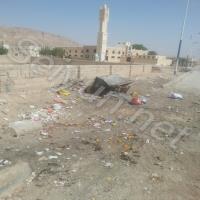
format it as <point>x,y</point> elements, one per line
<point>136,52</point>
<point>163,61</point>
<point>115,54</point>
<point>144,59</point>
<point>85,52</point>
<point>118,54</point>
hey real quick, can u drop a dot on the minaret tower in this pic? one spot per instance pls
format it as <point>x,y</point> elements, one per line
<point>103,34</point>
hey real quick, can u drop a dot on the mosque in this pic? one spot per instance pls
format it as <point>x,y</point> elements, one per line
<point>121,53</point>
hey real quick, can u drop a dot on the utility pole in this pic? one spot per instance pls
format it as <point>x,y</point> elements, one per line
<point>181,39</point>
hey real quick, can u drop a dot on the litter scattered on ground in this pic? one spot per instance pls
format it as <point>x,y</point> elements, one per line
<point>58,99</point>
<point>108,164</point>
<point>63,92</point>
<point>52,157</point>
<point>59,183</point>
<point>5,162</point>
<point>44,133</point>
<point>39,153</point>
<point>147,141</point>
<point>31,178</point>
<point>143,99</point>
<point>43,115</point>
<point>58,153</point>
<point>139,100</point>
<point>155,177</point>
<point>57,107</point>
<point>174,95</point>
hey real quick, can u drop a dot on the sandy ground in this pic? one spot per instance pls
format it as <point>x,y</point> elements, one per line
<point>188,82</point>
<point>86,151</point>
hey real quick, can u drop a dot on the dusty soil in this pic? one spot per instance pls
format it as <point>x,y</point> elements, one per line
<point>90,152</point>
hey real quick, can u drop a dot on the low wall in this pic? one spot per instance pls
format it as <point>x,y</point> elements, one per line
<point>73,71</point>
<point>13,77</point>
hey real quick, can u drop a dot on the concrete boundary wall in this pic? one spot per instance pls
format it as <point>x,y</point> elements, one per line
<point>73,71</point>
<point>58,74</point>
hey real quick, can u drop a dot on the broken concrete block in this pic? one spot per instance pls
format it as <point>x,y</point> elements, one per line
<point>13,178</point>
<point>25,126</point>
<point>104,84</point>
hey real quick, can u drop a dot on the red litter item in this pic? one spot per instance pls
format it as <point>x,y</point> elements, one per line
<point>136,101</point>
<point>58,100</point>
<point>50,110</point>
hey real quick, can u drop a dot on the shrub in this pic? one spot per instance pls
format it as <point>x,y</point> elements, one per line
<point>57,52</point>
<point>3,51</point>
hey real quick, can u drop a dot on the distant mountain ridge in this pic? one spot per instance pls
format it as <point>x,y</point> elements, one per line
<point>13,35</point>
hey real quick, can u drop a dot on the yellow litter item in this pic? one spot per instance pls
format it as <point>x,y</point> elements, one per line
<point>63,92</point>
<point>135,94</point>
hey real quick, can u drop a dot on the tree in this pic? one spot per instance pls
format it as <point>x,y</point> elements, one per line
<point>152,53</point>
<point>57,52</point>
<point>184,62</point>
<point>3,51</point>
<point>139,47</point>
<point>46,51</point>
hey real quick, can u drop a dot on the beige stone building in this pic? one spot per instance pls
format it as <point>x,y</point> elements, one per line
<point>83,53</point>
<point>163,61</point>
<point>117,54</point>
<point>121,53</point>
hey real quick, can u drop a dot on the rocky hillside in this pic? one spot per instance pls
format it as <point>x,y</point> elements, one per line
<point>14,35</point>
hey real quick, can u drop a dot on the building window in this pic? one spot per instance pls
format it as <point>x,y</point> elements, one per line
<point>81,56</point>
<point>87,50</point>
<point>128,59</point>
<point>113,57</point>
<point>75,55</point>
<point>113,52</point>
<point>118,57</point>
<point>70,51</point>
<point>75,51</point>
<point>87,56</point>
<point>123,52</point>
<point>95,50</point>
<point>81,51</point>
<point>119,52</point>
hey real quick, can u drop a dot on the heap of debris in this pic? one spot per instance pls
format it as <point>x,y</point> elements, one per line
<point>104,84</point>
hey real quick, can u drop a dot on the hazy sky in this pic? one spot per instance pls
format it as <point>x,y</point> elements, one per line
<point>155,23</point>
